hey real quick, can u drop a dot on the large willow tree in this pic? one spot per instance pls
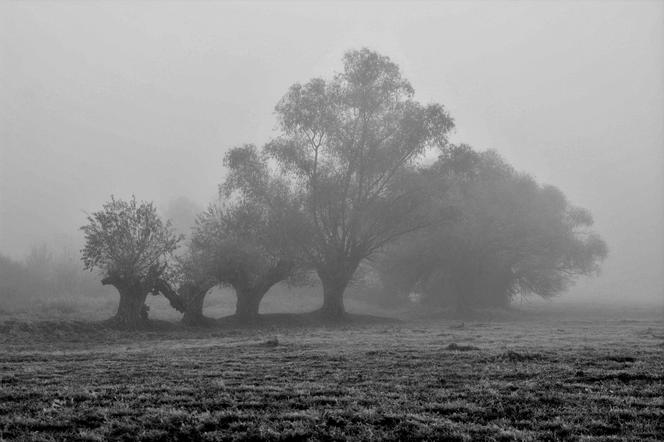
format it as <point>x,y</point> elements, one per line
<point>349,145</point>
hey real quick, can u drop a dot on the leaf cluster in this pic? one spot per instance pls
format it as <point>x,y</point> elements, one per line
<point>345,145</point>
<point>128,240</point>
<point>255,236</point>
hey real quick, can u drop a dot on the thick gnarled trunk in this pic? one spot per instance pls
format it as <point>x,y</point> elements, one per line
<point>248,304</point>
<point>188,300</point>
<point>250,293</point>
<point>132,311</point>
<point>193,312</point>
<point>334,285</point>
<point>176,301</point>
<point>333,300</point>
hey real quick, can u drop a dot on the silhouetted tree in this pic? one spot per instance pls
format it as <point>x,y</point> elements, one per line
<point>513,236</point>
<point>348,145</point>
<point>193,280</point>
<point>251,242</point>
<point>132,247</point>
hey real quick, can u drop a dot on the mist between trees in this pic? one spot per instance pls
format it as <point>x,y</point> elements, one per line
<point>343,197</point>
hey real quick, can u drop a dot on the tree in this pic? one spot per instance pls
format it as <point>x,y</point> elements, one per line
<point>249,243</point>
<point>133,249</point>
<point>230,241</point>
<point>513,236</point>
<point>348,146</point>
<point>193,281</point>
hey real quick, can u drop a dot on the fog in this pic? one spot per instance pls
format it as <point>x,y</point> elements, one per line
<point>106,98</point>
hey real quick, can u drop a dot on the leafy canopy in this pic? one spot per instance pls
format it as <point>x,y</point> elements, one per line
<point>251,239</point>
<point>345,145</point>
<point>127,240</point>
<point>512,235</point>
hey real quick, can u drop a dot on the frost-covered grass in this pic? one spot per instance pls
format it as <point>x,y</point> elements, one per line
<point>588,377</point>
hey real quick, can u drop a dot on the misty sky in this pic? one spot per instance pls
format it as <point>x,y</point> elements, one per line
<point>101,98</point>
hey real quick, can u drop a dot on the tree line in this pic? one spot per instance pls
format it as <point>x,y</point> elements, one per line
<point>45,277</point>
<point>346,183</point>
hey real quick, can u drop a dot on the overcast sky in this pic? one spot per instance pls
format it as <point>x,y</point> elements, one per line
<point>101,98</point>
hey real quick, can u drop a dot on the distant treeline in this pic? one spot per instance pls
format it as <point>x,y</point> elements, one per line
<point>45,275</point>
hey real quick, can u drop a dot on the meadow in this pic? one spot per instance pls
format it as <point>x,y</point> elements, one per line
<point>539,373</point>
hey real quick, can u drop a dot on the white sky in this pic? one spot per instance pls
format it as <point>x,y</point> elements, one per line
<point>100,98</point>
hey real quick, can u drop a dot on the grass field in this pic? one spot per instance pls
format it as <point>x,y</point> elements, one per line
<point>587,376</point>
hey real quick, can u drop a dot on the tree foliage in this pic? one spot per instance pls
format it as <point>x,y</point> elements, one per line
<point>133,249</point>
<point>346,146</point>
<point>512,236</point>
<point>344,183</point>
<point>251,241</point>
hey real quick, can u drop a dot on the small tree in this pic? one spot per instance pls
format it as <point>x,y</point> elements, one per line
<point>133,249</point>
<point>250,243</point>
<point>235,245</point>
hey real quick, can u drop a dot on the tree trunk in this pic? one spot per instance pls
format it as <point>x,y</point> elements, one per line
<point>189,300</point>
<point>132,311</point>
<point>193,313</point>
<point>333,298</point>
<point>248,303</point>
<point>176,301</point>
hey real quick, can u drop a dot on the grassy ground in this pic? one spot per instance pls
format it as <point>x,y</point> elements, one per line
<point>540,377</point>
